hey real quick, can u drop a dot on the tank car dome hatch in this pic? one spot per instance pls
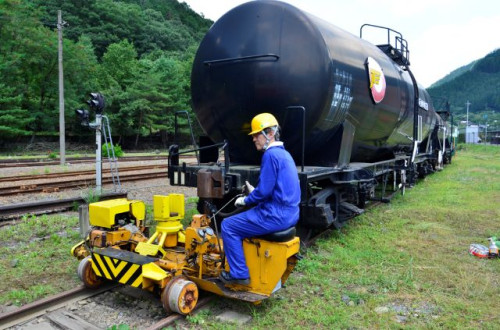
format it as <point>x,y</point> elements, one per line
<point>266,56</point>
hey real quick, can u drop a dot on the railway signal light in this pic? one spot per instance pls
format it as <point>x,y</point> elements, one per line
<point>83,115</point>
<point>96,102</point>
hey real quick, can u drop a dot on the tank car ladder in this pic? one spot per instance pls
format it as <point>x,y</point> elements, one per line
<point>400,54</point>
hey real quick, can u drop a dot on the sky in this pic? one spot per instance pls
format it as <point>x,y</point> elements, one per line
<point>442,35</point>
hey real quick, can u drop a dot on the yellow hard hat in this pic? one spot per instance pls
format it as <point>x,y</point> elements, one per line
<point>262,121</point>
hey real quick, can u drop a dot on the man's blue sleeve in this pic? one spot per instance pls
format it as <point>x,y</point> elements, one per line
<point>267,180</point>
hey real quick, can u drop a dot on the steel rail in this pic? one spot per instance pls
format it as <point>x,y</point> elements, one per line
<point>174,317</point>
<point>49,304</point>
<point>78,183</point>
<point>7,212</point>
<point>15,178</point>
<point>40,307</point>
<point>80,160</point>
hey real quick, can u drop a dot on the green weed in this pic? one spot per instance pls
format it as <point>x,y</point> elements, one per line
<point>191,210</point>
<point>22,296</point>
<point>119,327</point>
<point>90,195</point>
<point>199,317</point>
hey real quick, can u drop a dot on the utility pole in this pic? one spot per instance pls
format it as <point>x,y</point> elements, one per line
<point>467,104</point>
<point>467,123</point>
<point>62,131</point>
<point>98,154</point>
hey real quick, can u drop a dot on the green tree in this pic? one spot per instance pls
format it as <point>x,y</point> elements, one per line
<point>29,58</point>
<point>82,75</point>
<point>120,62</point>
<point>138,53</point>
<point>149,25</point>
<point>173,71</point>
<point>13,120</point>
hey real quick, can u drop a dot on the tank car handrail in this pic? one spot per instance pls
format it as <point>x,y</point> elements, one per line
<point>238,59</point>
<point>220,144</point>
<point>303,132</point>
<point>389,30</point>
<point>223,145</point>
<point>400,45</point>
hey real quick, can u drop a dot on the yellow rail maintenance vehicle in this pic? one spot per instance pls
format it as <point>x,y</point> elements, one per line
<point>174,261</point>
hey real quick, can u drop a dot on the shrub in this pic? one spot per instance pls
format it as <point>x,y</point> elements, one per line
<point>117,149</point>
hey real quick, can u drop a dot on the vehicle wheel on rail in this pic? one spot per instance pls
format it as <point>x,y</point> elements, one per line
<point>87,274</point>
<point>180,296</point>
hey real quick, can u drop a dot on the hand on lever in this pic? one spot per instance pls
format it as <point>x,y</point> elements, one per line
<point>240,201</point>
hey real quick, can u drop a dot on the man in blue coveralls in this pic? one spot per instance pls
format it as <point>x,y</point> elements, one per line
<point>276,199</point>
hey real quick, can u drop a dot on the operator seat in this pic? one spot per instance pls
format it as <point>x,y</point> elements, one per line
<point>279,236</point>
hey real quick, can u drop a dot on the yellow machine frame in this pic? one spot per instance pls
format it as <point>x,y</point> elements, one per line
<point>174,260</point>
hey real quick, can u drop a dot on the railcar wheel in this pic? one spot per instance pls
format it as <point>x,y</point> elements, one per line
<point>87,274</point>
<point>180,296</point>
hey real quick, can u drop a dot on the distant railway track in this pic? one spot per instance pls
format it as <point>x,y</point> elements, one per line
<point>80,160</point>
<point>13,211</point>
<point>48,187</point>
<point>18,178</point>
<point>5,163</point>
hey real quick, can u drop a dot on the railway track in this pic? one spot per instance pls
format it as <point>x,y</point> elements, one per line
<point>50,305</point>
<point>49,187</point>
<point>13,211</point>
<point>53,311</point>
<point>19,178</point>
<point>79,160</point>
<point>166,322</point>
<point>5,163</point>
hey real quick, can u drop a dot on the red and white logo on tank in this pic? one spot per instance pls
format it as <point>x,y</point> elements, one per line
<point>377,80</point>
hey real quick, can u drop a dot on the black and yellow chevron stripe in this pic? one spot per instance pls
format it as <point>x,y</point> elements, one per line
<point>117,270</point>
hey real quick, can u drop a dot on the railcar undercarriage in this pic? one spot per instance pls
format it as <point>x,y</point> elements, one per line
<point>329,195</point>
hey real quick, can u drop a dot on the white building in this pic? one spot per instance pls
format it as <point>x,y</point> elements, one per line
<point>472,134</point>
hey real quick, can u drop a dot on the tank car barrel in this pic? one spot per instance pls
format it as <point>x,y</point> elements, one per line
<point>352,114</point>
<point>268,56</point>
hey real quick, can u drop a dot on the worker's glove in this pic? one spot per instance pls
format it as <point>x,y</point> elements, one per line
<point>249,187</point>
<point>240,201</point>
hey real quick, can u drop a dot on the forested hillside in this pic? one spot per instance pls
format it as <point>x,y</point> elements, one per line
<point>137,53</point>
<point>479,84</point>
<point>147,24</point>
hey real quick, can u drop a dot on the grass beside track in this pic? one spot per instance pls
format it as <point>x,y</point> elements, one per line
<point>403,264</point>
<point>400,265</point>
<point>35,258</point>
